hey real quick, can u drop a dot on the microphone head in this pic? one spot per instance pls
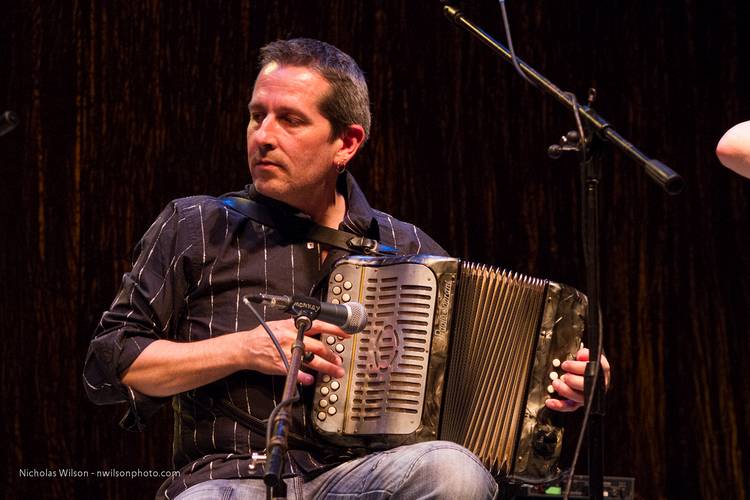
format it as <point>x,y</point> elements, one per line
<point>357,320</point>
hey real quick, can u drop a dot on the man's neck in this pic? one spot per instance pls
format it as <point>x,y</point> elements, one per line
<point>324,204</point>
<point>331,213</point>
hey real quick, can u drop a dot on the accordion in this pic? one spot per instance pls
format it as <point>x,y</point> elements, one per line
<point>452,350</point>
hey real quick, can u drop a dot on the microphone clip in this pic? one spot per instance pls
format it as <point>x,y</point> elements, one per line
<point>303,311</point>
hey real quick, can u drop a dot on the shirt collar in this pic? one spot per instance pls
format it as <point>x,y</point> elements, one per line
<point>359,217</point>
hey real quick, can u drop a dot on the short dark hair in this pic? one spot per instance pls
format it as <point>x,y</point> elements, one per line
<point>348,102</point>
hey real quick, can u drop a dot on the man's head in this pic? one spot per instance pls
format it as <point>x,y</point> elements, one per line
<point>348,102</point>
<point>309,114</point>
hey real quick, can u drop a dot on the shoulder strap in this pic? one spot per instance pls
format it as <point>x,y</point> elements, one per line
<point>308,229</point>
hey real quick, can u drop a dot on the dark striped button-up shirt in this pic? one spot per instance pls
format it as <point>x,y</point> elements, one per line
<point>192,268</point>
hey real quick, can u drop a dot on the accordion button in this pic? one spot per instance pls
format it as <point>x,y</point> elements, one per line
<point>335,301</point>
<point>321,415</point>
<point>338,277</point>
<point>325,390</point>
<point>346,297</point>
<point>330,340</point>
<point>323,403</point>
<point>331,410</point>
<point>339,347</point>
<point>556,363</point>
<point>335,386</point>
<point>333,398</point>
<point>347,285</point>
<point>553,375</point>
<point>326,378</point>
<point>550,389</point>
<point>337,290</point>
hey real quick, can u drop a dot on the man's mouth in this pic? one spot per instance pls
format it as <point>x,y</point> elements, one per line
<point>264,162</point>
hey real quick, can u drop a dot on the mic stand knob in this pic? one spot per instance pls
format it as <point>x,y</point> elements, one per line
<point>568,142</point>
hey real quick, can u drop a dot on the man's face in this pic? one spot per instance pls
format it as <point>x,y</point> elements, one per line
<point>289,147</point>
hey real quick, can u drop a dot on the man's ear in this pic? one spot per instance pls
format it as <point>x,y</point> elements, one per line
<point>351,139</point>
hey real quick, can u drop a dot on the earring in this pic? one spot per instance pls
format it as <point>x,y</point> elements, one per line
<point>340,167</point>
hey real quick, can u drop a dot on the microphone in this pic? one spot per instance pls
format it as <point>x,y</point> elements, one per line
<point>8,121</point>
<point>350,317</point>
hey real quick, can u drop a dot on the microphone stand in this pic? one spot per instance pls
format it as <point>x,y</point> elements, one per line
<point>279,425</point>
<point>593,131</point>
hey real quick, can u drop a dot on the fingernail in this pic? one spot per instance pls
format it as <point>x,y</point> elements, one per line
<point>339,373</point>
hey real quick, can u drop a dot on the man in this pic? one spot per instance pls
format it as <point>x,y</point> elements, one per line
<point>733,149</point>
<point>178,328</point>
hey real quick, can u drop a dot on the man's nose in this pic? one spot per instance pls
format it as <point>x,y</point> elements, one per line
<point>265,134</point>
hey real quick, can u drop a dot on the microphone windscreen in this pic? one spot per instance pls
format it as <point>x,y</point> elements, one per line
<point>357,318</point>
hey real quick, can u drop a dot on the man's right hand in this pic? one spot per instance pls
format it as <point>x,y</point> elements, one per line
<point>165,367</point>
<point>262,355</point>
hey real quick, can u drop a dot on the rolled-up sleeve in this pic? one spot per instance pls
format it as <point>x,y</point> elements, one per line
<point>151,296</point>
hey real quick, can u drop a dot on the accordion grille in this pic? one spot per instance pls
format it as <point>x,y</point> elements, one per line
<point>391,355</point>
<point>494,336</point>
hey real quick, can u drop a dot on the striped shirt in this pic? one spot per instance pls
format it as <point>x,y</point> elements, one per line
<point>192,268</point>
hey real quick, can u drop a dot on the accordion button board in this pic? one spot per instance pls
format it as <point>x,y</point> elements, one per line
<point>386,364</point>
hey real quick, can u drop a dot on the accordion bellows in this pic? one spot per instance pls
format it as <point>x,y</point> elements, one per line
<point>452,350</point>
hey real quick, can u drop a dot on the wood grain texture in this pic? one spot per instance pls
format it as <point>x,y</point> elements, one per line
<point>126,105</point>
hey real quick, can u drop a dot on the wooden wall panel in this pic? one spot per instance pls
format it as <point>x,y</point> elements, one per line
<point>126,105</point>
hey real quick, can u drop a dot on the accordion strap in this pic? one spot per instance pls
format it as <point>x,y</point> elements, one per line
<point>308,229</point>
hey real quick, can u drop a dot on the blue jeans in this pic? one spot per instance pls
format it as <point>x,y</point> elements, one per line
<point>433,469</point>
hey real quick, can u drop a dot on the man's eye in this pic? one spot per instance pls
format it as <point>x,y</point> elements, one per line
<point>256,117</point>
<point>292,120</point>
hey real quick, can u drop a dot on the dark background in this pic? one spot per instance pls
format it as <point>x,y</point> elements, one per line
<point>125,105</point>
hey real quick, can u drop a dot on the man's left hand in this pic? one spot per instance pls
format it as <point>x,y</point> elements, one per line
<point>570,384</point>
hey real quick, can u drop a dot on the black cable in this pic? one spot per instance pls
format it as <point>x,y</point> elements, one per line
<point>579,124</point>
<point>586,413</point>
<point>600,337</point>
<point>581,144</point>
<point>513,57</point>
<point>284,359</point>
<point>265,326</point>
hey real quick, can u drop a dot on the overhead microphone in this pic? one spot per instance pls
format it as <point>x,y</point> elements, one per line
<point>350,317</point>
<point>8,121</point>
